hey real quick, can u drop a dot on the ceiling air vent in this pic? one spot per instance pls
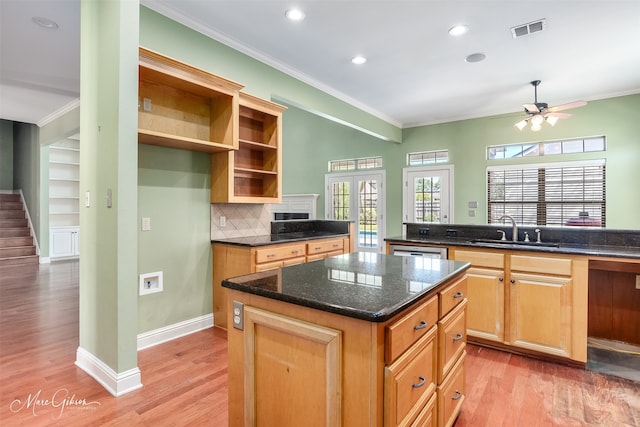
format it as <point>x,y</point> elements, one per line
<point>530,28</point>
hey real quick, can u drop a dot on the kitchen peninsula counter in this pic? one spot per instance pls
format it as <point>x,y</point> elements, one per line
<point>358,339</point>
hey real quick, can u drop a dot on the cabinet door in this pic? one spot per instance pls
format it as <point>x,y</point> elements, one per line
<point>541,313</point>
<point>63,242</point>
<point>485,305</point>
<point>292,371</point>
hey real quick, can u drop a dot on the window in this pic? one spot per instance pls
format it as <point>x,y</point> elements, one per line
<point>353,164</point>
<point>555,194</point>
<point>535,149</point>
<point>427,158</point>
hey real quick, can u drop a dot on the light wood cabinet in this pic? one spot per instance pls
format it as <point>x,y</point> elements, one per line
<point>336,370</point>
<point>422,348</point>
<point>185,107</point>
<point>530,301</point>
<point>253,173</point>
<point>485,292</point>
<point>298,359</point>
<point>233,260</point>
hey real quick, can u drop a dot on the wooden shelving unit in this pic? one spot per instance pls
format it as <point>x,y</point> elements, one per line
<point>64,198</point>
<point>184,107</point>
<point>251,174</point>
<point>181,106</point>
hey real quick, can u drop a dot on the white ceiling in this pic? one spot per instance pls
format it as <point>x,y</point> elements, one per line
<point>415,74</point>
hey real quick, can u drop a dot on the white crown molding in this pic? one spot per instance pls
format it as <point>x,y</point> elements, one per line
<point>166,10</point>
<point>171,332</point>
<point>59,112</point>
<point>116,383</point>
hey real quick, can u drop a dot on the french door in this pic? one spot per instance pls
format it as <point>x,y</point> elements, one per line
<point>428,194</point>
<point>358,197</point>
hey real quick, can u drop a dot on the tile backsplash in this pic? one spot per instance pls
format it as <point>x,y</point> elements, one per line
<point>242,219</point>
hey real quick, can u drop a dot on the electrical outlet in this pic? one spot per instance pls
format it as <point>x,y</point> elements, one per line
<point>637,281</point>
<point>146,104</point>
<point>423,231</point>
<point>238,315</point>
<point>223,221</point>
<point>87,199</point>
<point>146,224</point>
<point>472,212</point>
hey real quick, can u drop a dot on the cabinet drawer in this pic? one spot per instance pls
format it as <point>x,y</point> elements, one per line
<point>452,338</point>
<point>402,333</point>
<point>329,245</point>
<point>544,265</point>
<point>452,295</point>
<point>268,266</point>
<point>275,253</point>
<point>293,261</point>
<point>480,259</point>
<point>427,416</point>
<point>410,381</point>
<point>451,394</point>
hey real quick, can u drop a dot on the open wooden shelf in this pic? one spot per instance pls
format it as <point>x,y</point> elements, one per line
<point>184,107</point>
<point>251,174</point>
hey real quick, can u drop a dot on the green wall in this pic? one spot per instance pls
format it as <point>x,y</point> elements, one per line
<point>174,192</point>
<point>26,168</point>
<point>6,155</point>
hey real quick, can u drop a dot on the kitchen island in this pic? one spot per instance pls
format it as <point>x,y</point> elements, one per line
<point>360,339</point>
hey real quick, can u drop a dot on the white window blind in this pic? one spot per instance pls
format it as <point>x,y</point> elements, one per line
<point>548,194</point>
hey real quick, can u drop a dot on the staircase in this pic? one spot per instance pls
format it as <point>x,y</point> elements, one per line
<point>16,243</point>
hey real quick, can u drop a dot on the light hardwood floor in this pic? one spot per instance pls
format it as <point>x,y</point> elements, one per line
<point>185,381</point>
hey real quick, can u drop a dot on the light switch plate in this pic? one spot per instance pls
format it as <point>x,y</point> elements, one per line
<point>146,224</point>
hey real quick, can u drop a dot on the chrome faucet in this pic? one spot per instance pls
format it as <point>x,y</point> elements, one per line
<point>514,226</point>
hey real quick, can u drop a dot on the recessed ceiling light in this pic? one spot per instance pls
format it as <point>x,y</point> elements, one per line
<point>359,60</point>
<point>458,30</point>
<point>294,14</point>
<point>45,22</point>
<point>475,57</point>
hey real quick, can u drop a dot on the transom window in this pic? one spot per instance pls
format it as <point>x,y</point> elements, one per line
<point>427,158</point>
<point>555,194</point>
<point>547,148</point>
<point>355,164</point>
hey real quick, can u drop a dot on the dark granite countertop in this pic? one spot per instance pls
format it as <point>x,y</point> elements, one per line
<point>271,239</point>
<point>293,231</point>
<point>547,247</point>
<point>363,285</point>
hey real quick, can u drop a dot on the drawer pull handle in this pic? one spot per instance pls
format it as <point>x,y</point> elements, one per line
<point>318,248</point>
<point>294,252</point>
<point>458,295</point>
<point>422,325</point>
<point>420,384</point>
<point>458,337</point>
<point>457,396</point>
<point>270,255</point>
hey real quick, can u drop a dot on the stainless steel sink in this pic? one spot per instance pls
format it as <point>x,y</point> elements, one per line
<point>519,243</point>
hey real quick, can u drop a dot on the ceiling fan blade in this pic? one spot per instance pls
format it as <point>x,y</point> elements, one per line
<point>574,104</point>
<point>531,108</point>
<point>558,115</point>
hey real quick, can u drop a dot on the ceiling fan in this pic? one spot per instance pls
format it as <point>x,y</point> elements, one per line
<point>539,112</point>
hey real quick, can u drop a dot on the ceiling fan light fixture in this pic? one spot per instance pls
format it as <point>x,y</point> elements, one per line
<point>537,120</point>
<point>552,120</point>
<point>535,127</point>
<point>521,124</point>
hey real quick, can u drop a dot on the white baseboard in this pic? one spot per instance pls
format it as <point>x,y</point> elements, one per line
<point>116,383</point>
<point>171,332</point>
<point>45,260</point>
